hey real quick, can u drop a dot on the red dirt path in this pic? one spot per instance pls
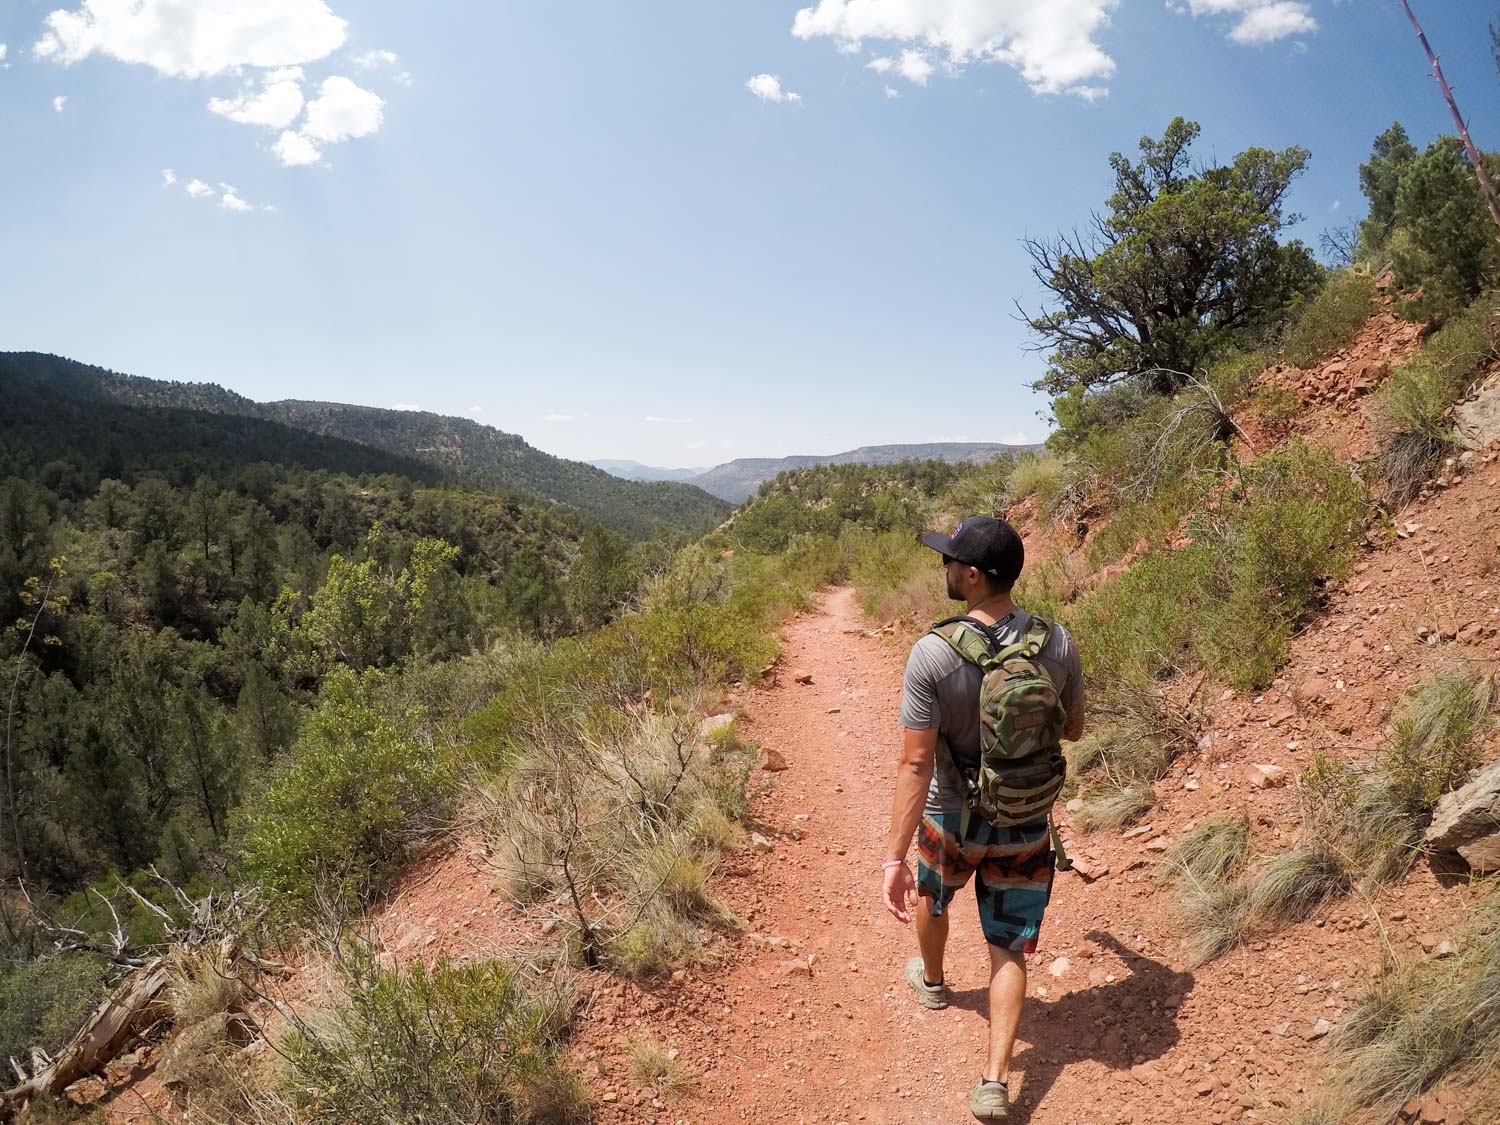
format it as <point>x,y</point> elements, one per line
<point>1113,1030</point>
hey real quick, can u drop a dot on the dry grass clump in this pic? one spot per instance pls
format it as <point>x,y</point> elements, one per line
<point>617,825</point>
<point>654,1065</point>
<point>201,987</point>
<point>1212,853</point>
<point>1216,917</point>
<point>1111,805</point>
<point>1294,885</point>
<point>1417,1025</point>
<point>1043,475</point>
<point>1115,768</point>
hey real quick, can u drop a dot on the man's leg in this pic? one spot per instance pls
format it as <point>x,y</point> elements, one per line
<point>1007,993</point>
<point>932,939</point>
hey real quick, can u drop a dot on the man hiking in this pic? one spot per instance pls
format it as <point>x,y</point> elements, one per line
<point>979,775</point>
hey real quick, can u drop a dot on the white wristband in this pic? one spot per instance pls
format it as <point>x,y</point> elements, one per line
<point>888,864</point>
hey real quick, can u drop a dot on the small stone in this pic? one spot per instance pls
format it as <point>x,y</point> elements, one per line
<point>1158,844</point>
<point>1074,805</point>
<point>1319,1028</point>
<point>760,843</point>
<point>802,676</point>
<point>1060,966</point>
<point>1265,776</point>
<point>796,967</point>
<point>772,761</point>
<point>1191,784</point>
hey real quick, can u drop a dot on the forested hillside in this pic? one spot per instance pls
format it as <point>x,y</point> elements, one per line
<point>459,449</point>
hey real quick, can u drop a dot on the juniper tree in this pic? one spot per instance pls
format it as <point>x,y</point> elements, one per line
<point>1184,263</point>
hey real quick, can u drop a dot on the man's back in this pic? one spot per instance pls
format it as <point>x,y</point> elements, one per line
<point>941,690</point>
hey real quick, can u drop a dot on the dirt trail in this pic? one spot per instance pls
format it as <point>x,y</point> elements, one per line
<point>772,1041</point>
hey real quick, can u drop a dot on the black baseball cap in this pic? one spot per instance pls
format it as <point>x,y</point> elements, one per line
<point>989,544</point>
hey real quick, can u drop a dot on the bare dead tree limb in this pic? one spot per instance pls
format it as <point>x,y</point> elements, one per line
<point>1487,188</point>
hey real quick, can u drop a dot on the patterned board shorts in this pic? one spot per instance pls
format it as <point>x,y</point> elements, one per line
<point>1015,874</point>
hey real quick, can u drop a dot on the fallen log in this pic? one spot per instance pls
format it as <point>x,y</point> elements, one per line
<point>134,1004</point>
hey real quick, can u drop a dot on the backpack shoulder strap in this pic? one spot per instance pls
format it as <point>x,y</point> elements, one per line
<point>969,637</point>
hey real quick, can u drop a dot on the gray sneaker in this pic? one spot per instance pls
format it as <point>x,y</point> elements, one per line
<point>990,1101</point>
<point>927,995</point>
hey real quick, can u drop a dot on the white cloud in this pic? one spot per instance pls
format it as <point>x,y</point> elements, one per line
<point>404,406</point>
<point>881,65</point>
<point>58,103</point>
<point>557,418</point>
<point>892,92</point>
<point>767,87</point>
<point>1052,43</point>
<point>231,201</point>
<point>168,177</point>
<point>342,110</point>
<point>914,67</point>
<point>1259,21</point>
<point>276,106</point>
<point>1337,203</point>
<point>1015,437</point>
<point>371,59</point>
<point>198,189</point>
<point>667,421</point>
<point>4,50</point>
<point>294,150</point>
<point>194,38</point>
<point>476,410</point>
<point>375,60</point>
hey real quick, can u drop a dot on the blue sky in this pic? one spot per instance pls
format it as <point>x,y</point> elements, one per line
<point>610,227</point>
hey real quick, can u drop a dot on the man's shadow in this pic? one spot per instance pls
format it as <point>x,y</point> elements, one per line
<point>1111,1023</point>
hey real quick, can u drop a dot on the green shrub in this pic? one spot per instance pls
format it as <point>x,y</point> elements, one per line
<point>450,1043</point>
<point>358,787</point>
<point>1229,599</point>
<point>1043,475</point>
<point>1415,404</point>
<point>1330,318</point>
<point>43,1002</point>
<point>1423,389</point>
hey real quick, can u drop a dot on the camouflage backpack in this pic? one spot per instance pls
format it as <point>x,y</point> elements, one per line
<point>1021,719</point>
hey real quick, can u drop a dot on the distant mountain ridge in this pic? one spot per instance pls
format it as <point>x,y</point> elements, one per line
<point>737,481</point>
<point>417,442</point>
<point>634,470</point>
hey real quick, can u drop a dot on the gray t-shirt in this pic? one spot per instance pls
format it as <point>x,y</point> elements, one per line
<point>941,690</point>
